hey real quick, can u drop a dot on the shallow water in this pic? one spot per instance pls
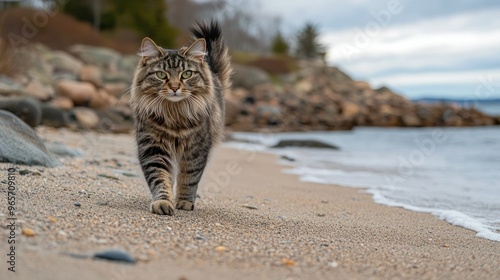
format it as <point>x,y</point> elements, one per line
<point>453,173</point>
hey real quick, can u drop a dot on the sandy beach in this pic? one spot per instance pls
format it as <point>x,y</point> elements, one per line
<point>250,222</point>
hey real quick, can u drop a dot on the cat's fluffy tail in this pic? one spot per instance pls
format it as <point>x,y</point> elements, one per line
<point>218,57</point>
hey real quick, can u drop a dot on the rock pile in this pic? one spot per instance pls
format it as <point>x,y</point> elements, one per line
<point>82,88</point>
<point>319,97</point>
<point>87,87</point>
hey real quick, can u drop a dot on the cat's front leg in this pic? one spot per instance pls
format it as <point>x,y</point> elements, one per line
<point>162,192</point>
<point>158,169</point>
<point>191,169</point>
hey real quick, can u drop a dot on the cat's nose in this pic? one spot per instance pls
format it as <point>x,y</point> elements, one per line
<point>174,89</point>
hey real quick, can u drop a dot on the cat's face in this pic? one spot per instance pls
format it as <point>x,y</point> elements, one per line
<point>172,75</point>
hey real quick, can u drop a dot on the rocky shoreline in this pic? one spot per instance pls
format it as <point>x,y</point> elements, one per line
<point>88,88</point>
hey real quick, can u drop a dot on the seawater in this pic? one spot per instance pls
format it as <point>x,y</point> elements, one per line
<point>453,173</point>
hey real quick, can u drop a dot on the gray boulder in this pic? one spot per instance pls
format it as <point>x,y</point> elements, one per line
<point>101,57</point>
<point>9,87</point>
<point>20,144</point>
<point>248,76</point>
<point>64,62</point>
<point>54,116</point>
<point>27,109</point>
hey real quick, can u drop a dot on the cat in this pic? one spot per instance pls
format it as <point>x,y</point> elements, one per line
<point>177,99</point>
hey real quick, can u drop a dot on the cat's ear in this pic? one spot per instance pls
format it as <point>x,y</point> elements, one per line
<point>197,49</point>
<point>149,49</point>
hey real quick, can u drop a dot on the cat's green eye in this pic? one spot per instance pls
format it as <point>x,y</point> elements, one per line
<point>161,75</point>
<point>187,74</point>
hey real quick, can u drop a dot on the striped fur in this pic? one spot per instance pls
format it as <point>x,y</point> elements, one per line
<point>178,119</point>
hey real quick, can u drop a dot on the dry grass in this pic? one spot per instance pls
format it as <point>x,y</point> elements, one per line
<point>61,31</point>
<point>7,67</point>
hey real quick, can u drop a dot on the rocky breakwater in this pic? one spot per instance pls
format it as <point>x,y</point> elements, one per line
<point>87,87</point>
<point>319,97</point>
<point>84,87</point>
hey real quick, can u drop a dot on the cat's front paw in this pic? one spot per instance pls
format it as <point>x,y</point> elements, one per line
<point>162,207</point>
<point>185,205</point>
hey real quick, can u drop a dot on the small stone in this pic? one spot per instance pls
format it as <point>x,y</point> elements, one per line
<point>115,255</point>
<point>62,102</point>
<point>446,245</point>
<point>152,253</point>
<point>250,206</point>
<point>324,201</point>
<point>86,117</point>
<point>79,92</point>
<point>108,176</point>
<point>52,219</point>
<point>288,262</point>
<point>320,214</point>
<point>24,172</point>
<point>130,174</point>
<point>101,203</point>
<point>28,232</point>
<point>199,237</point>
<point>220,248</point>
<point>287,158</point>
<point>77,204</point>
<point>333,264</point>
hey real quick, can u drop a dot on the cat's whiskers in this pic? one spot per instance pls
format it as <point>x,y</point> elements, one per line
<point>128,90</point>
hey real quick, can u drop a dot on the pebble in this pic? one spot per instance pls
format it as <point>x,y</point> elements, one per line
<point>52,219</point>
<point>250,206</point>
<point>320,214</point>
<point>109,177</point>
<point>101,203</point>
<point>199,237</point>
<point>26,172</point>
<point>115,255</point>
<point>288,262</point>
<point>77,204</point>
<point>220,248</point>
<point>333,264</point>
<point>288,158</point>
<point>130,174</point>
<point>28,232</point>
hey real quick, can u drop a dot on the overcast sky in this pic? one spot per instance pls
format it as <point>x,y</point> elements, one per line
<point>447,48</point>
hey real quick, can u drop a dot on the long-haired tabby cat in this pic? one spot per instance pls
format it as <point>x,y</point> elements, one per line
<point>178,103</point>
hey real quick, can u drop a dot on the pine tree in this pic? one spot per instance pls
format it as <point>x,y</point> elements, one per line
<point>308,45</point>
<point>146,17</point>
<point>280,45</point>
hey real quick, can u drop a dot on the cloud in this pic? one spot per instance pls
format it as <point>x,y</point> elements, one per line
<point>444,50</point>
